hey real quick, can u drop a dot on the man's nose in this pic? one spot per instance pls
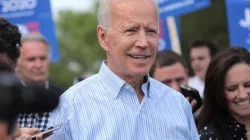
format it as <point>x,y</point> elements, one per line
<point>142,40</point>
<point>195,61</point>
<point>38,63</point>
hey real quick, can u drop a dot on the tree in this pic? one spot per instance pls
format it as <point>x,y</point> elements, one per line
<point>79,47</point>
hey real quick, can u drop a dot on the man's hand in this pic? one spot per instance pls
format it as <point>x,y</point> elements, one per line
<point>3,130</point>
<point>27,133</point>
<point>30,131</point>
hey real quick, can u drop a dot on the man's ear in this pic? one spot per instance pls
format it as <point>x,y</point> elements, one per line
<point>102,37</point>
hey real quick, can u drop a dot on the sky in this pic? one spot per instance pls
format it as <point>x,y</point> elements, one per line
<point>78,5</point>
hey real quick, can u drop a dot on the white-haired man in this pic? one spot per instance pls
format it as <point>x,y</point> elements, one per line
<point>33,68</point>
<point>122,101</point>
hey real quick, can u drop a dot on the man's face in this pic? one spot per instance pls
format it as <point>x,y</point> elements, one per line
<point>200,59</point>
<point>173,76</point>
<point>34,62</point>
<point>132,40</point>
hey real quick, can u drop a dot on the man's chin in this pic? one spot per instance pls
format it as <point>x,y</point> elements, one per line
<point>140,74</point>
<point>199,75</point>
<point>38,80</point>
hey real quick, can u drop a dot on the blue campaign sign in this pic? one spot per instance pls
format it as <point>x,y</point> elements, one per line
<point>178,7</point>
<point>32,16</point>
<point>238,13</point>
<point>169,22</point>
<point>164,40</point>
<point>169,33</point>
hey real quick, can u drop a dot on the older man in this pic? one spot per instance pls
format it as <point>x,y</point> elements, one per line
<point>122,101</point>
<point>33,68</point>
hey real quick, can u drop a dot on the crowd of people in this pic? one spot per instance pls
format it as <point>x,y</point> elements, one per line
<point>138,91</point>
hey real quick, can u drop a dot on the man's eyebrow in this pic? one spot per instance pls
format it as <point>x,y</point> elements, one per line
<point>179,78</point>
<point>152,27</point>
<point>130,26</point>
<point>166,80</point>
<point>155,28</point>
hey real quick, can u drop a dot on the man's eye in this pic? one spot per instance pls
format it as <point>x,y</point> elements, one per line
<point>151,31</point>
<point>43,58</point>
<point>130,30</point>
<point>201,58</point>
<point>31,59</point>
<point>180,80</point>
<point>167,82</point>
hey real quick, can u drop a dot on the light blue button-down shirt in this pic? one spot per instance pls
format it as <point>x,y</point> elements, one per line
<point>105,107</point>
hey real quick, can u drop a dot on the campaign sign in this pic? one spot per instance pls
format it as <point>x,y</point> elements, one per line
<point>164,40</point>
<point>238,13</point>
<point>169,11</point>
<point>178,7</point>
<point>32,16</point>
<point>169,33</point>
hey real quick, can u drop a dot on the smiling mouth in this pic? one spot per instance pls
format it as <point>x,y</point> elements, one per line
<point>243,103</point>
<point>139,57</point>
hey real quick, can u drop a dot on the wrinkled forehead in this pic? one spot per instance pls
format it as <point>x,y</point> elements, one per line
<point>142,11</point>
<point>133,5</point>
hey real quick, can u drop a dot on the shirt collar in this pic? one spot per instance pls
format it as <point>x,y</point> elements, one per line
<point>46,84</point>
<point>116,83</point>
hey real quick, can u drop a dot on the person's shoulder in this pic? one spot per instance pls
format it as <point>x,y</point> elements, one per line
<point>57,88</point>
<point>82,87</point>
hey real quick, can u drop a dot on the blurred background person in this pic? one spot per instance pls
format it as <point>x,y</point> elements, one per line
<point>226,111</point>
<point>33,68</point>
<point>201,52</point>
<point>170,69</point>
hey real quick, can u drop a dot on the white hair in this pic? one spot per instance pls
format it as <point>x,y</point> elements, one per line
<point>35,37</point>
<point>104,12</point>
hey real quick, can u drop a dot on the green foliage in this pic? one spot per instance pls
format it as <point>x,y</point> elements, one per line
<point>80,51</point>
